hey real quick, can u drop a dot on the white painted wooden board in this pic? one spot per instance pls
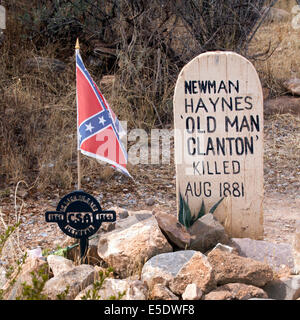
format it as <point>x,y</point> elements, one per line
<point>218,123</point>
<point>2,18</point>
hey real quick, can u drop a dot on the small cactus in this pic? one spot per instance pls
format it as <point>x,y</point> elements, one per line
<point>185,216</point>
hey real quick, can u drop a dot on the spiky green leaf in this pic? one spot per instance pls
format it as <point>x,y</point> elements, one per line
<point>215,206</point>
<point>201,213</point>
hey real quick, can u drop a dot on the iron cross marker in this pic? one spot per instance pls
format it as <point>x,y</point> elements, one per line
<point>79,215</point>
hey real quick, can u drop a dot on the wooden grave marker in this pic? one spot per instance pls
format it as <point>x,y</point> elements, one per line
<point>218,128</point>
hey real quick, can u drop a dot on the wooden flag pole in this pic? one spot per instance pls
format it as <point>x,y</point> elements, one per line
<point>77,47</point>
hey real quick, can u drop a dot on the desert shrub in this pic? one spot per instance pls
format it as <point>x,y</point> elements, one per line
<point>144,44</point>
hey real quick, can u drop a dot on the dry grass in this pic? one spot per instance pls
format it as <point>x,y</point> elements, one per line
<point>284,63</point>
<point>282,154</point>
<point>38,110</point>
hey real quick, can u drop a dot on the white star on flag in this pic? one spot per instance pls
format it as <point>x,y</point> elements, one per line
<point>89,127</point>
<point>101,120</point>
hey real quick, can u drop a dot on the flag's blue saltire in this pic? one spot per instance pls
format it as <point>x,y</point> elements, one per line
<point>99,130</point>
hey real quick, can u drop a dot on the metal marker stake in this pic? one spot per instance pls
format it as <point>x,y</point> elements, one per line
<point>84,245</point>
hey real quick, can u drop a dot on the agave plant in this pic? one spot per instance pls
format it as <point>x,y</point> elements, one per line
<point>185,216</point>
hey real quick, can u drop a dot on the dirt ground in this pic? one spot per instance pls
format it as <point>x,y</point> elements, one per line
<point>154,188</point>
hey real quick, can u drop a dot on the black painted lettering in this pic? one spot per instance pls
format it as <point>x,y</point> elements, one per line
<point>199,147</point>
<point>230,144</point>
<point>198,192</point>
<point>236,167</point>
<point>225,167</point>
<point>255,123</point>
<point>229,105</point>
<point>244,124</point>
<point>189,105</point>
<point>195,168</point>
<point>190,124</point>
<point>191,149</point>
<point>239,146</point>
<point>207,189</point>
<point>249,145</point>
<point>212,87</point>
<point>235,86</point>
<point>237,103</point>
<point>201,105</point>
<point>214,103</point>
<point>208,171</point>
<point>231,123</point>
<point>188,87</point>
<point>210,146</point>
<point>202,86</point>
<point>211,124</point>
<point>199,125</point>
<point>194,87</point>
<point>250,105</point>
<point>189,189</point>
<point>222,86</point>
<point>220,146</point>
<point>216,168</point>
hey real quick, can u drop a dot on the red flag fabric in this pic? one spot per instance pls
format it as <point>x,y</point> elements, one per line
<point>99,130</point>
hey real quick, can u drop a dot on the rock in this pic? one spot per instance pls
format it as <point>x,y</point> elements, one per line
<point>282,105</point>
<point>137,290</point>
<point>131,220</point>
<point>141,214</point>
<point>292,86</point>
<point>206,232</point>
<point>38,63</point>
<point>174,231</point>
<point>224,248</point>
<point>276,15</point>
<point>284,288</point>
<point>275,255</point>
<point>59,264</point>
<point>32,265</point>
<point>163,268</point>
<point>296,248</point>
<point>161,292</point>
<point>236,291</point>
<point>115,289</point>
<point>88,294</point>
<point>122,224</point>
<point>3,278</point>
<point>198,271</point>
<point>192,292</point>
<point>127,250</point>
<point>150,202</point>
<point>70,283</point>
<point>92,254</point>
<point>229,268</point>
<point>120,212</point>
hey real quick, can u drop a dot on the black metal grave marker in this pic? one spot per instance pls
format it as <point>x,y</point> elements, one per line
<point>79,215</point>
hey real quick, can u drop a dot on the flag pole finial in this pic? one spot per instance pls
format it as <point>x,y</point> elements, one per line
<point>77,46</point>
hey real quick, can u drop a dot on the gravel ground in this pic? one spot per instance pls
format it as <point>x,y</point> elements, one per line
<point>155,188</point>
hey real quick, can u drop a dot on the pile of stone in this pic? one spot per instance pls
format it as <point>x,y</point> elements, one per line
<point>154,257</point>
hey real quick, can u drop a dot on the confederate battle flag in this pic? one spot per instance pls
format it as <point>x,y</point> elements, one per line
<point>99,130</point>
